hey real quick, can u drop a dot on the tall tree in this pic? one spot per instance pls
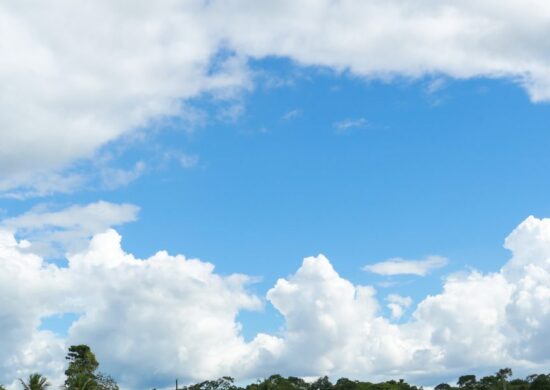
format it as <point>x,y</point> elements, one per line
<point>503,374</point>
<point>81,374</point>
<point>35,382</point>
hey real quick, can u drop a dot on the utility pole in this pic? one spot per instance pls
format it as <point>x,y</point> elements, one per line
<point>177,384</point>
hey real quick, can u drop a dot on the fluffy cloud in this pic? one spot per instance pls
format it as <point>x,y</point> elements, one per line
<point>399,266</point>
<point>162,316</point>
<point>153,319</point>
<point>77,75</point>
<point>398,304</point>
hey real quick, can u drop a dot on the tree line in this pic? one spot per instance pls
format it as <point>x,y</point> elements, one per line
<point>501,380</point>
<point>82,374</point>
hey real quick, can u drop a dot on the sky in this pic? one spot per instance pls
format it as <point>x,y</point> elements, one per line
<point>207,188</point>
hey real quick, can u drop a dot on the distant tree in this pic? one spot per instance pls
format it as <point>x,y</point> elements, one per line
<point>106,382</point>
<point>323,383</point>
<point>345,384</point>
<point>488,382</point>
<point>519,384</point>
<point>223,383</point>
<point>540,382</point>
<point>443,386</point>
<point>466,381</point>
<point>502,375</point>
<point>35,382</point>
<point>298,383</point>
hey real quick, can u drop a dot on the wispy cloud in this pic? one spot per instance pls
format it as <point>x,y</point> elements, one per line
<point>400,266</point>
<point>345,125</point>
<point>291,114</point>
<point>50,232</point>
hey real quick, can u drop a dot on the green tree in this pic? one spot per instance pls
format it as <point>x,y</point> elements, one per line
<point>81,374</point>
<point>106,382</point>
<point>502,375</point>
<point>35,382</point>
<point>466,381</point>
<point>345,384</point>
<point>323,383</point>
<point>82,367</point>
<point>540,382</point>
<point>443,386</point>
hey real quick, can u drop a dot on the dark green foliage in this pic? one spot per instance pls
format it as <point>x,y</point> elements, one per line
<point>223,383</point>
<point>35,382</point>
<point>488,382</point>
<point>82,371</point>
<point>540,382</point>
<point>106,382</point>
<point>82,374</point>
<point>322,383</point>
<point>466,381</point>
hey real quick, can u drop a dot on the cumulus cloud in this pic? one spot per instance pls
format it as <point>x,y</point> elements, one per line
<point>184,314</point>
<point>77,75</point>
<point>175,309</point>
<point>399,266</point>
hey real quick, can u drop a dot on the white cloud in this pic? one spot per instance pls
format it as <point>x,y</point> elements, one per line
<point>112,178</point>
<point>397,305</point>
<point>52,232</point>
<point>184,314</point>
<point>77,75</point>
<point>289,115</point>
<point>188,160</point>
<point>399,266</point>
<point>175,309</point>
<point>347,124</point>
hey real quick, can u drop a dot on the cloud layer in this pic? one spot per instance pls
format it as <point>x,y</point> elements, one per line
<point>150,320</point>
<point>78,75</point>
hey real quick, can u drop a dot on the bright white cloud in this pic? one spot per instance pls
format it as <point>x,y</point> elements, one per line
<point>399,266</point>
<point>77,75</point>
<point>52,232</point>
<point>184,314</point>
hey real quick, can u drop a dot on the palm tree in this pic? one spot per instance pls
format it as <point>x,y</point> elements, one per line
<point>35,382</point>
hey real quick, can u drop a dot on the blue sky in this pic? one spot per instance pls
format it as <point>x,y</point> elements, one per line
<point>377,138</point>
<point>447,172</point>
